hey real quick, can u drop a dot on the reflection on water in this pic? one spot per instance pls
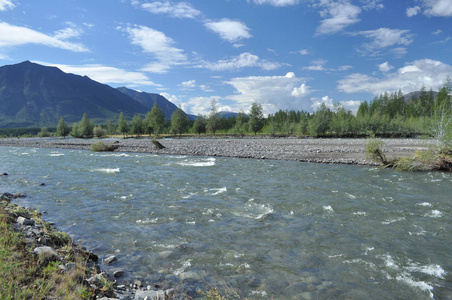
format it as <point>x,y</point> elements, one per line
<point>266,229</point>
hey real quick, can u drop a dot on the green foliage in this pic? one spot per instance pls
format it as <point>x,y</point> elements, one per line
<point>213,122</point>
<point>123,126</point>
<point>85,127</point>
<point>200,125</point>
<point>137,125</point>
<point>154,121</point>
<point>179,121</point>
<point>111,128</point>
<point>62,128</point>
<point>99,132</point>
<point>256,121</point>
<point>374,150</point>
<point>240,123</point>
<point>102,147</point>
<point>44,132</point>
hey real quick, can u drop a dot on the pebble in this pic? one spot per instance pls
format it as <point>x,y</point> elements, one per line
<point>109,260</point>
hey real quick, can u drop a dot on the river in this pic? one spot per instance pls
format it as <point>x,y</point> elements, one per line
<point>262,228</point>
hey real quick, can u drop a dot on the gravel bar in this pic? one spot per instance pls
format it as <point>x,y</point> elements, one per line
<point>331,150</point>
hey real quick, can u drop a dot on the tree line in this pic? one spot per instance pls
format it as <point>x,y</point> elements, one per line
<point>388,114</point>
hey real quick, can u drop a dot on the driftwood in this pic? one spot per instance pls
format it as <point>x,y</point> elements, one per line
<point>157,145</point>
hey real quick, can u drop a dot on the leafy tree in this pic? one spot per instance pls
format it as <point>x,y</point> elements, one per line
<point>74,131</point>
<point>179,121</point>
<point>44,132</point>
<point>85,127</point>
<point>256,121</point>
<point>62,128</point>
<point>123,126</point>
<point>200,124</point>
<point>137,125</point>
<point>111,128</point>
<point>155,120</point>
<point>240,123</point>
<point>213,121</point>
<point>320,122</point>
<point>99,131</point>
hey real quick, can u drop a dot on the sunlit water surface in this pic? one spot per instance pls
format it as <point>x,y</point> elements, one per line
<point>266,229</point>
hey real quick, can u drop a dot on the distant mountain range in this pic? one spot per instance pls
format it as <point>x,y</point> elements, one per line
<point>32,95</point>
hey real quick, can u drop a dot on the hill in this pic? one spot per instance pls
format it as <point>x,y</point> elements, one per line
<point>32,95</point>
<point>149,99</point>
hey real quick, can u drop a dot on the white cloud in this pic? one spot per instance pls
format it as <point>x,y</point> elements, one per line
<point>273,92</point>
<point>172,98</point>
<point>277,2</point>
<point>409,78</point>
<point>383,38</point>
<point>385,67</point>
<point>344,68</point>
<point>338,14</point>
<point>317,65</point>
<point>105,74</point>
<point>67,33</point>
<point>175,10</point>
<point>201,105</point>
<point>6,4</point>
<point>412,11</point>
<point>188,84</point>
<point>159,46</point>
<point>238,62</point>
<point>435,8</point>
<point>438,8</point>
<point>352,105</point>
<point>327,101</point>
<point>11,36</point>
<point>229,30</point>
<point>301,52</point>
<point>372,4</point>
<point>437,32</point>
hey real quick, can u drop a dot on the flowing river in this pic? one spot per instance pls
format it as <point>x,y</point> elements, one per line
<point>265,229</point>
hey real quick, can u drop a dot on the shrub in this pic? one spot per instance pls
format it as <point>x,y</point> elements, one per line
<point>374,150</point>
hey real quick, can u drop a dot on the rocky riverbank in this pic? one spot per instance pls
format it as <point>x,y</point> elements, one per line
<point>48,245</point>
<point>334,150</point>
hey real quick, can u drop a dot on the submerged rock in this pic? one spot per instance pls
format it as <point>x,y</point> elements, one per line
<point>109,260</point>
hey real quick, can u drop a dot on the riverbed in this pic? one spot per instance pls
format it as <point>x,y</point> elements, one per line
<point>265,229</point>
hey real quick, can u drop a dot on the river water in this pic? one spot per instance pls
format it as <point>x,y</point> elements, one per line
<point>264,229</point>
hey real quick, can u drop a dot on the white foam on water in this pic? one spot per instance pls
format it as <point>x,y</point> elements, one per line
<point>184,266</point>
<point>360,213</point>
<point>434,214</point>
<point>219,191</point>
<point>389,261</point>
<point>106,170</point>
<point>424,204</point>
<point>393,220</point>
<point>147,221</point>
<point>245,265</point>
<point>350,196</point>
<point>433,270</point>
<point>407,279</point>
<point>203,162</point>
<point>259,293</point>
<point>54,154</point>
<point>255,210</point>
<point>328,208</point>
<point>337,255</point>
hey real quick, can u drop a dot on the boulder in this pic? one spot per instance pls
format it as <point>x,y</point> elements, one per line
<point>109,260</point>
<point>45,250</point>
<point>24,221</point>
<point>119,273</point>
<point>154,295</point>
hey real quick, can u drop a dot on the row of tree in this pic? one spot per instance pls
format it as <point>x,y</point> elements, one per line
<point>387,114</point>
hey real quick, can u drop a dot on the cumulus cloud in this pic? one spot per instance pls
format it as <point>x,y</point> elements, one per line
<point>159,46</point>
<point>372,4</point>
<point>188,84</point>
<point>277,2</point>
<point>106,74</point>
<point>202,105</point>
<point>383,38</point>
<point>238,62</point>
<point>435,8</point>
<point>11,36</point>
<point>385,67</point>
<point>412,11</point>
<point>338,15</point>
<point>173,99</point>
<point>6,4</point>
<point>411,77</point>
<point>175,10</point>
<point>229,30</point>
<point>317,103</point>
<point>273,92</point>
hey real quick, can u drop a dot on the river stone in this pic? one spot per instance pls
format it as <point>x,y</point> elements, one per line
<point>154,295</point>
<point>19,195</point>
<point>45,250</point>
<point>189,276</point>
<point>119,273</point>
<point>109,260</point>
<point>24,214</point>
<point>23,221</point>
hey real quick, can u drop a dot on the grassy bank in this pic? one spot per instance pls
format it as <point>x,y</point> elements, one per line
<point>26,275</point>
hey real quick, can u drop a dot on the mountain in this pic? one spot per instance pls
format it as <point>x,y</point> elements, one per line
<point>149,99</point>
<point>416,94</point>
<point>32,95</point>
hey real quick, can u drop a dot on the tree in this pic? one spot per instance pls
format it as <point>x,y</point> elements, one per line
<point>179,121</point>
<point>200,124</point>
<point>256,121</point>
<point>213,121</point>
<point>154,120</point>
<point>137,125</point>
<point>85,127</point>
<point>123,126</point>
<point>74,131</point>
<point>111,128</point>
<point>320,122</point>
<point>99,131</point>
<point>240,123</point>
<point>62,128</point>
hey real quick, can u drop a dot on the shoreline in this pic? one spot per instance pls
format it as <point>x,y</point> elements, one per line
<point>322,150</point>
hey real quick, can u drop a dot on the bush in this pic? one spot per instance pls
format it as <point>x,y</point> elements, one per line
<point>374,150</point>
<point>101,147</point>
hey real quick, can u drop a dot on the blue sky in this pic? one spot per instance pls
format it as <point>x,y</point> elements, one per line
<point>284,54</point>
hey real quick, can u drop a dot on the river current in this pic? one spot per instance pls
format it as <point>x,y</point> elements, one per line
<point>264,229</point>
